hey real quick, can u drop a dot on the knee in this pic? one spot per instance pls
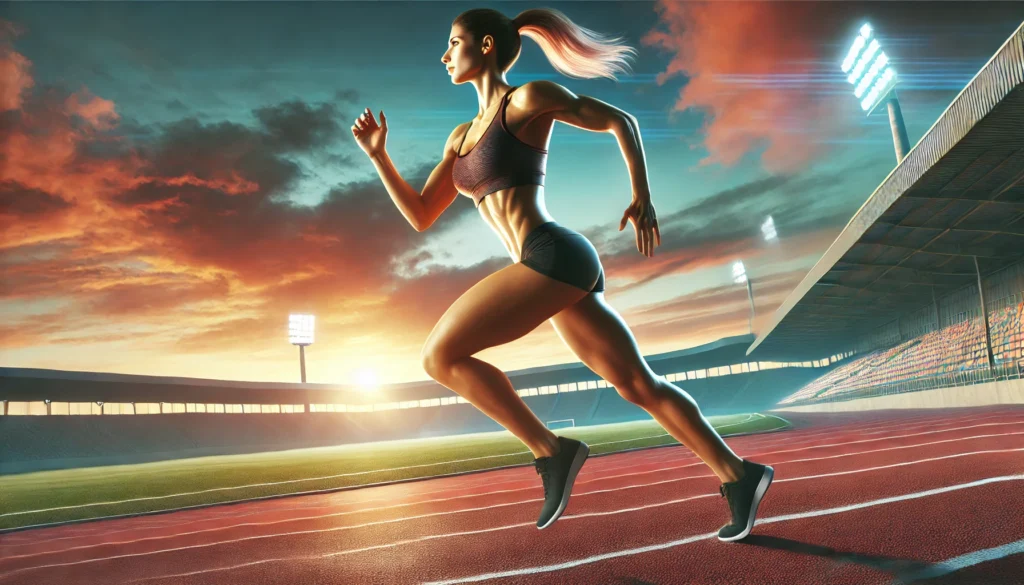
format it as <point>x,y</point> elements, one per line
<point>434,360</point>
<point>641,391</point>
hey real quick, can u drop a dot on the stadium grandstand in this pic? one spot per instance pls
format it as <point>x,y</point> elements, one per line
<point>925,285</point>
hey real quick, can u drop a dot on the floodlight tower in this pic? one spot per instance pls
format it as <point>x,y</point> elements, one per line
<point>739,272</point>
<point>300,333</point>
<point>874,81</point>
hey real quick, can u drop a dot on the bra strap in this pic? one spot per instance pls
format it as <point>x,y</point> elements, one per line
<point>504,105</point>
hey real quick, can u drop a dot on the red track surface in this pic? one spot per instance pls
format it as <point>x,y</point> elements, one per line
<point>640,517</point>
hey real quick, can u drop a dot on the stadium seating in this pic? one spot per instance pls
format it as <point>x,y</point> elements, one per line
<point>958,349</point>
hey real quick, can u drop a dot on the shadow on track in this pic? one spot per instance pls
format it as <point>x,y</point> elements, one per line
<point>898,568</point>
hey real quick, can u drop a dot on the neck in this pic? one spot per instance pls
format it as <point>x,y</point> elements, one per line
<point>490,88</point>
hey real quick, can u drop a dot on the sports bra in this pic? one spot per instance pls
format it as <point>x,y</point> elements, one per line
<point>498,161</point>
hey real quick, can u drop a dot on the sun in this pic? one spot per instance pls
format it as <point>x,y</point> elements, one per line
<point>367,379</point>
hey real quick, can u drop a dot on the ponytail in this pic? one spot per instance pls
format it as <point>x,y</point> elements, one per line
<point>573,50</point>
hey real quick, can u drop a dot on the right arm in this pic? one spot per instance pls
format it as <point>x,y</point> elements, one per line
<point>421,210</point>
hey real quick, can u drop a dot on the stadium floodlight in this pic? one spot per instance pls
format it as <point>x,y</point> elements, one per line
<point>739,273</point>
<point>739,276</point>
<point>768,229</point>
<point>300,329</point>
<point>300,333</point>
<point>874,80</point>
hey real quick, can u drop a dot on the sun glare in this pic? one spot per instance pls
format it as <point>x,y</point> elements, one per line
<point>367,379</point>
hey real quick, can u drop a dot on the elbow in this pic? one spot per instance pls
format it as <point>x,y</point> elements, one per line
<point>624,123</point>
<point>420,224</point>
<point>630,121</point>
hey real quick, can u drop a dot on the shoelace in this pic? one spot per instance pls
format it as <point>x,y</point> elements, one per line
<point>545,475</point>
<point>722,489</point>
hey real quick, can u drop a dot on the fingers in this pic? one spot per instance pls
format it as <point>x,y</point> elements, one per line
<point>365,120</point>
<point>368,117</point>
<point>648,235</point>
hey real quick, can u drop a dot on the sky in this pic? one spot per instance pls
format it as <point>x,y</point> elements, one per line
<point>179,177</point>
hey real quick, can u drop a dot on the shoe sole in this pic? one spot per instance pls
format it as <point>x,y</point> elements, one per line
<point>762,487</point>
<point>577,463</point>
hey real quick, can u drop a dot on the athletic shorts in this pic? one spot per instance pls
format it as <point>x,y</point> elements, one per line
<point>564,255</point>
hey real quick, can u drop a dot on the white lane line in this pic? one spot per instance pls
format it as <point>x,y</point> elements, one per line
<point>963,562</point>
<point>449,512</point>
<point>800,435</point>
<point>605,556</point>
<point>577,495</point>
<point>671,467</point>
<point>774,519</point>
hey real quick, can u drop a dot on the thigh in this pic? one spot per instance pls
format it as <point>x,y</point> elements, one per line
<point>500,308</point>
<point>598,335</point>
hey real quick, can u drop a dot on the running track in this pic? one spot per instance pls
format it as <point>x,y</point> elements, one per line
<point>930,496</point>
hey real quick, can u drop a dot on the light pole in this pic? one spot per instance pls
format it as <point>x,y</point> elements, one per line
<point>739,276</point>
<point>300,333</point>
<point>874,82</point>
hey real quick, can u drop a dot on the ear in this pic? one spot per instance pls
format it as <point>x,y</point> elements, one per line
<point>486,44</point>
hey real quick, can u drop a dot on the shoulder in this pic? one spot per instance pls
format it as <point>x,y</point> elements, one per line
<point>459,130</point>
<point>543,95</point>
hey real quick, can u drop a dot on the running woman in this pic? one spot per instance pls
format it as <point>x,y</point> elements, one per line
<point>499,159</point>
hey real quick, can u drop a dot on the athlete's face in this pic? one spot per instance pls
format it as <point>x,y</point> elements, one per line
<point>464,57</point>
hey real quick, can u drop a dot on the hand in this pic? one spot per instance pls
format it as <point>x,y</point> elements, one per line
<point>645,222</point>
<point>369,136</point>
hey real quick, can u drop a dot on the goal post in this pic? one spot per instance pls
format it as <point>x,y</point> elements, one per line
<point>561,424</point>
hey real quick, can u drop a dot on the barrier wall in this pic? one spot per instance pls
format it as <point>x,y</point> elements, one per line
<point>1003,392</point>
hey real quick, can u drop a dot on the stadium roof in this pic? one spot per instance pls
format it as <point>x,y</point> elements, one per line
<point>957,195</point>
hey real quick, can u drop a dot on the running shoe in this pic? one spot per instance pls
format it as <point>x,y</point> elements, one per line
<point>558,473</point>
<point>744,495</point>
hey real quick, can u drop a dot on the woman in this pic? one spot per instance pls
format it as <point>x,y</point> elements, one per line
<point>499,159</point>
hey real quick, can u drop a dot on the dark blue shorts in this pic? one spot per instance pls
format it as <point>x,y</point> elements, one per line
<point>565,255</point>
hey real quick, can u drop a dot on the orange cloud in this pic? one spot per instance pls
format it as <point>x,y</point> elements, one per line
<point>14,68</point>
<point>750,68</point>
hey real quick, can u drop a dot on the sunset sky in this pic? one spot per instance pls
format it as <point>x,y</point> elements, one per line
<point>179,177</point>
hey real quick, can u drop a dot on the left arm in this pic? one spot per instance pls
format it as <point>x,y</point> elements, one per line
<point>597,116</point>
<point>592,114</point>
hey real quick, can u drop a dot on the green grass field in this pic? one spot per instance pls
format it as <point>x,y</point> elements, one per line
<point>33,499</point>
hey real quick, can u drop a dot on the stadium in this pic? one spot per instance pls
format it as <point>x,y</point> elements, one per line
<point>896,366</point>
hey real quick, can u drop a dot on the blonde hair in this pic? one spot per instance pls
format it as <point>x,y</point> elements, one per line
<point>573,50</point>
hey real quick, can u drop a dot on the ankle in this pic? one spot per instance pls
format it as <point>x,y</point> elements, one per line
<point>733,473</point>
<point>548,448</point>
